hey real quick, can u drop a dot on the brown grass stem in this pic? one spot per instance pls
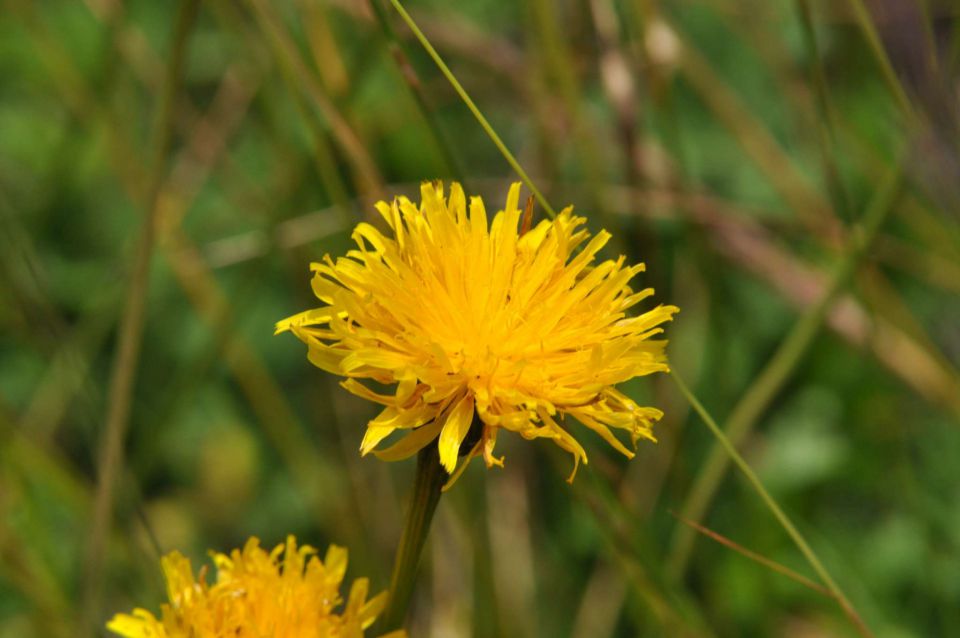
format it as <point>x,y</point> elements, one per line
<point>862,15</point>
<point>758,397</point>
<point>131,328</point>
<point>624,533</point>
<point>768,500</point>
<point>560,71</point>
<point>412,81</point>
<point>753,136</point>
<point>287,54</point>
<point>754,556</point>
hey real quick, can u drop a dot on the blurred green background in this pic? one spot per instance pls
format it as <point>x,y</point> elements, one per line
<point>732,146</point>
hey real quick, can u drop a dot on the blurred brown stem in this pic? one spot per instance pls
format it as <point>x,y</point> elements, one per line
<point>131,330</point>
<point>771,379</point>
<point>412,81</point>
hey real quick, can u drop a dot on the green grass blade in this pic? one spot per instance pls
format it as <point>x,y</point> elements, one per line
<point>473,107</point>
<point>750,408</point>
<point>773,506</point>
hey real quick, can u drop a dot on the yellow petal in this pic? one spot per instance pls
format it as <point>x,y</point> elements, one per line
<point>411,443</point>
<point>374,435</point>
<point>309,317</point>
<point>454,431</point>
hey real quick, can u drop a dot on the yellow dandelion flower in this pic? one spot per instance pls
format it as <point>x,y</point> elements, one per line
<point>286,593</point>
<point>483,326</point>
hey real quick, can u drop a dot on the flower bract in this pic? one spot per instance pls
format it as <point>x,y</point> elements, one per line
<point>483,326</point>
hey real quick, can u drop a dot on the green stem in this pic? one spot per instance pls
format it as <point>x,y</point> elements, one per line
<point>758,397</point>
<point>426,494</point>
<point>452,79</point>
<point>772,505</point>
<point>827,125</point>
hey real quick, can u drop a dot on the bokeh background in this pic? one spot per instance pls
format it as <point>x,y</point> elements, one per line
<point>732,146</point>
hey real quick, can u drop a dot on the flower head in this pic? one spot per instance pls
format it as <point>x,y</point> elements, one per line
<point>483,326</point>
<point>286,593</point>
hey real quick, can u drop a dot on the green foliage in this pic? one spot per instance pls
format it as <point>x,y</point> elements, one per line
<point>742,201</point>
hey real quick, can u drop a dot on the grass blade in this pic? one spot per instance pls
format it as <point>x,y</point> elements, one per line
<point>773,506</point>
<point>749,409</point>
<point>473,107</point>
<point>131,328</point>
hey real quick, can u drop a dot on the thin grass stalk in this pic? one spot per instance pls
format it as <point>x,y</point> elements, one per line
<point>455,83</point>
<point>660,86</point>
<point>774,507</point>
<point>774,375</point>
<point>267,401</point>
<point>131,328</point>
<point>326,55</point>
<point>917,213</point>
<point>71,351</point>
<point>927,18</point>
<point>624,536</point>
<point>620,89</point>
<point>952,53</point>
<point>826,127</point>
<point>323,155</point>
<point>627,537</point>
<point>754,556</point>
<point>285,51</point>
<point>20,453</point>
<point>410,78</point>
<point>489,623</point>
<point>273,412</point>
<point>21,567</point>
<point>862,15</point>
<point>79,97</point>
<point>512,548</point>
<point>890,308</point>
<point>560,66</point>
<point>753,136</point>
<point>277,419</point>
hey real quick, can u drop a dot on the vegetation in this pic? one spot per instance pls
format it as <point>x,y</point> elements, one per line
<point>786,169</point>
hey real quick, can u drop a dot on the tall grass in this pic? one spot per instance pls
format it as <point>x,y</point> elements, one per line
<point>783,168</point>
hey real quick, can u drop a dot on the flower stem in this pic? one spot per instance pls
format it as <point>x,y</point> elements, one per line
<point>426,494</point>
